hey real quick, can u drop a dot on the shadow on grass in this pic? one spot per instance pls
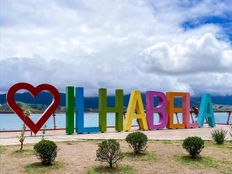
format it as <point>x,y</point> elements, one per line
<point>121,169</point>
<point>199,162</point>
<point>147,156</point>
<point>38,167</point>
<point>23,153</point>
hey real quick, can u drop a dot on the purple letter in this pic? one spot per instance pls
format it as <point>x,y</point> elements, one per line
<point>160,109</point>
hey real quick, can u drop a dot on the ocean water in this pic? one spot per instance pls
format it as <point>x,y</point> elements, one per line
<point>13,122</point>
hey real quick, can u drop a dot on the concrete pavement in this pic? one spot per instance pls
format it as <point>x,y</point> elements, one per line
<point>10,138</point>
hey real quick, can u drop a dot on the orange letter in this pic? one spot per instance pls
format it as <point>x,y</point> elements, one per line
<point>185,110</point>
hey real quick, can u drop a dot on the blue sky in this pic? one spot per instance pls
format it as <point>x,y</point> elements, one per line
<point>224,21</point>
<point>168,45</point>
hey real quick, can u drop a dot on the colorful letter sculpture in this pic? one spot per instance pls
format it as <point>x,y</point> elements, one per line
<point>103,109</point>
<point>160,109</point>
<point>171,109</point>
<point>206,111</point>
<point>80,113</point>
<point>70,110</point>
<point>135,110</point>
<point>35,127</point>
<point>186,112</point>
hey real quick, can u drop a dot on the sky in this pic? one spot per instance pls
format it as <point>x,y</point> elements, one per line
<point>168,45</point>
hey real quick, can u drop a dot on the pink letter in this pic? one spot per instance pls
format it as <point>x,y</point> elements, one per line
<point>160,109</point>
<point>186,112</point>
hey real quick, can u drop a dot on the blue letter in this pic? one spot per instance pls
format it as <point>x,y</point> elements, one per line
<point>206,111</point>
<point>80,113</point>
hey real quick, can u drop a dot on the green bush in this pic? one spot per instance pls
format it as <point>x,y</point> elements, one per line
<point>109,151</point>
<point>193,145</point>
<point>219,135</point>
<point>46,151</point>
<point>137,141</point>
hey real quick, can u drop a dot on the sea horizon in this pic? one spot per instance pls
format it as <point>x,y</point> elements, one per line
<point>13,122</point>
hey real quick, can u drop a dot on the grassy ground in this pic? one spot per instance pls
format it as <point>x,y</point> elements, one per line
<point>160,157</point>
<point>37,167</point>
<point>121,169</point>
<point>2,149</point>
<point>147,156</point>
<point>23,153</point>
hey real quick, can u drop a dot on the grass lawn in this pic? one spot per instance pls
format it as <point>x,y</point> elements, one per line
<point>37,167</point>
<point>120,169</point>
<point>146,156</point>
<point>2,149</point>
<point>23,153</point>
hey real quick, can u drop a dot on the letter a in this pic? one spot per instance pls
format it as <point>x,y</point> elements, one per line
<point>206,111</point>
<point>135,110</point>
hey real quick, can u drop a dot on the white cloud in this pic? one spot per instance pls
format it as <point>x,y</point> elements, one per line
<point>99,44</point>
<point>204,54</point>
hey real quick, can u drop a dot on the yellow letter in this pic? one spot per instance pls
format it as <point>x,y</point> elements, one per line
<point>135,110</point>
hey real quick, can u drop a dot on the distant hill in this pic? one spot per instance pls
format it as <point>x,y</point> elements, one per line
<point>44,99</point>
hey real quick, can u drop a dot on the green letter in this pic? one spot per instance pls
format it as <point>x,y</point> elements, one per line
<point>103,109</point>
<point>70,110</point>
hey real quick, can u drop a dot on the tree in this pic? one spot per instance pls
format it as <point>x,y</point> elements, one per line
<point>22,137</point>
<point>109,151</point>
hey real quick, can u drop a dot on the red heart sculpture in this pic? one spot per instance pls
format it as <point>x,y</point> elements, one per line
<point>35,127</point>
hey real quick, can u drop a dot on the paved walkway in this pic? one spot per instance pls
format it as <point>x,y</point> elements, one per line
<point>10,138</point>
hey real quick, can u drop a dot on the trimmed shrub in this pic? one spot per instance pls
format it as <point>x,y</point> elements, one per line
<point>219,135</point>
<point>193,146</point>
<point>46,151</point>
<point>109,151</point>
<point>137,141</point>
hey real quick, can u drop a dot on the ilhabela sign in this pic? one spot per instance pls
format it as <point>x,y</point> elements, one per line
<point>135,109</point>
